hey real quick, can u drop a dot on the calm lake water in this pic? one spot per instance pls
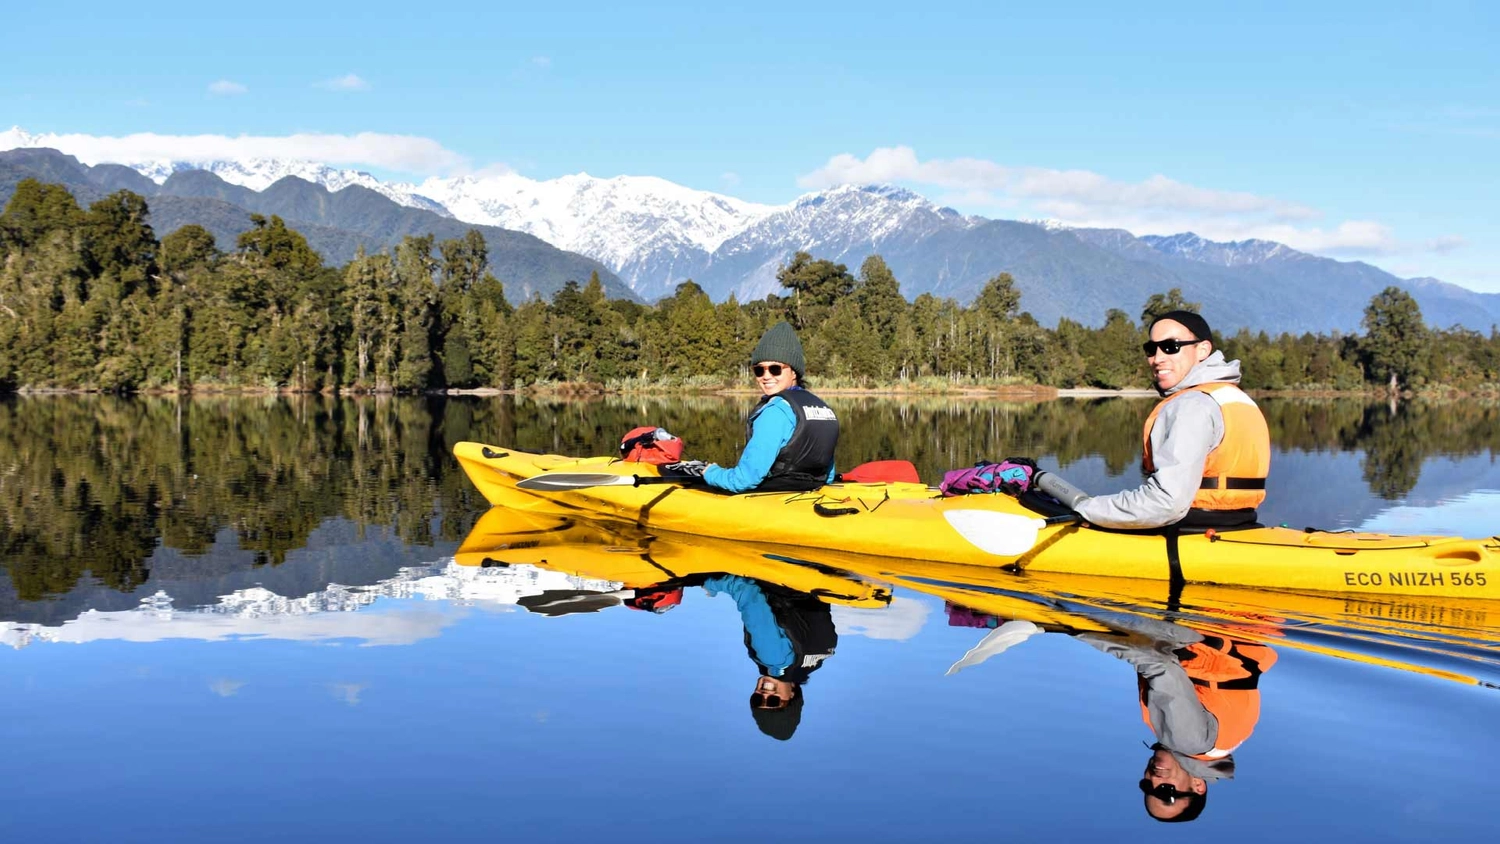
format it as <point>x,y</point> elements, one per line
<point>232,619</point>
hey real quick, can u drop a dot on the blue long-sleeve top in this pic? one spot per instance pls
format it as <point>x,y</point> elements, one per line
<point>769,433</point>
<point>771,646</point>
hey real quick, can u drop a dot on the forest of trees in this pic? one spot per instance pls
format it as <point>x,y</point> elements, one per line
<point>93,300</point>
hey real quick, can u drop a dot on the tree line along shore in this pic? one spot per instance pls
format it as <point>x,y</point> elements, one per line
<point>92,301</point>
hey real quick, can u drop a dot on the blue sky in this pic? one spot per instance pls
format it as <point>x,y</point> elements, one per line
<point>1363,130</point>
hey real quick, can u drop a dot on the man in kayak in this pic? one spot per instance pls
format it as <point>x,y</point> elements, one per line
<point>788,635</point>
<point>791,435</point>
<point>1207,448</point>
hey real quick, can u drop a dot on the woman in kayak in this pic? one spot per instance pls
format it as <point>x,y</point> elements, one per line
<point>792,434</point>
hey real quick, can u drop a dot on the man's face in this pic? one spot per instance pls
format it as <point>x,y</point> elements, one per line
<point>1169,370</point>
<point>1164,770</point>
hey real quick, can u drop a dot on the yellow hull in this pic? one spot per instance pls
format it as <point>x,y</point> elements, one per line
<point>914,522</point>
<point>636,559</point>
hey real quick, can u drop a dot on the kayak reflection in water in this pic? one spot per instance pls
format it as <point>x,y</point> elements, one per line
<point>1199,693</point>
<point>788,635</point>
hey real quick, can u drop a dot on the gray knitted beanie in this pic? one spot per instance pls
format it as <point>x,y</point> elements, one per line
<point>780,343</point>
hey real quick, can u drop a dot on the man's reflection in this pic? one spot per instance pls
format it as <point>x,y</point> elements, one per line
<point>1199,693</point>
<point>788,635</point>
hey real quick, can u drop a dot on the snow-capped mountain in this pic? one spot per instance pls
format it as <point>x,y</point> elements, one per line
<point>257,174</point>
<point>845,223</point>
<point>1233,254</point>
<point>655,234</point>
<point>580,209</point>
<point>646,229</point>
<point>332,613</point>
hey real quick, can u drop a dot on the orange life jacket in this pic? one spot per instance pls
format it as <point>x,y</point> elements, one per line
<point>1234,475</point>
<point>1226,679</point>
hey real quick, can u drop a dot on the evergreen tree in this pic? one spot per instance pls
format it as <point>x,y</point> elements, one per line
<point>1395,337</point>
<point>881,305</point>
<point>992,326</point>
<point>418,298</point>
<point>1159,304</point>
<point>816,285</point>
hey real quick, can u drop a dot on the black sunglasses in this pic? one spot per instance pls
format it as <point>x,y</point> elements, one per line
<point>1164,792</point>
<point>1171,347</point>
<point>774,369</point>
<point>765,701</point>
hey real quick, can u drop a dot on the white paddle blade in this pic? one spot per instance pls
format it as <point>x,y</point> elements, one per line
<point>996,642</point>
<point>554,481</point>
<point>1001,534</point>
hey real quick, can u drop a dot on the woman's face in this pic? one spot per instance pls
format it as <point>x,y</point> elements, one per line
<point>773,376</point>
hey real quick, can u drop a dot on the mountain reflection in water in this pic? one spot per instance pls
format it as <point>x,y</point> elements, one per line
<point>217,559</point>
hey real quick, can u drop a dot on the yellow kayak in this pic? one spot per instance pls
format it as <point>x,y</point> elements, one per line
<point>914,522</point>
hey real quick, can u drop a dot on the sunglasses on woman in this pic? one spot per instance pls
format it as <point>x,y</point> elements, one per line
<point>760,700</point>
<point>774,369</point>
<point>1170,347</point>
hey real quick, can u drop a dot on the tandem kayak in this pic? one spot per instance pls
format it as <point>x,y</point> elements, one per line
<point>909,521</point>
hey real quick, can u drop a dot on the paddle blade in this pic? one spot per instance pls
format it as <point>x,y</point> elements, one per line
<point>996,642</point>
<point>554,602</point>
<point>555,481</point>
<point>1001,534</point>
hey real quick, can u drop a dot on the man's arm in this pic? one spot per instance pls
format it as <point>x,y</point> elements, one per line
<point>1185,432</point>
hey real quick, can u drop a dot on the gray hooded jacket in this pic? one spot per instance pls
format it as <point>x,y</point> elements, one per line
<point>1185,432</point>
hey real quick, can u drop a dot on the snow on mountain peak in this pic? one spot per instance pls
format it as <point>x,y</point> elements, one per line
<point>1228,254</point>
<point>17,138</point>
<point>612,220</point>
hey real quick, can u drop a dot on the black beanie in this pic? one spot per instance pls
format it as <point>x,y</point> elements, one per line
<point>1189,320</point>
<point>779,724</point>
<point>780,344</point>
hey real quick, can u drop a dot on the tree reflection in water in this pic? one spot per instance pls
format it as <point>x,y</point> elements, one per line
<point>92,487</point>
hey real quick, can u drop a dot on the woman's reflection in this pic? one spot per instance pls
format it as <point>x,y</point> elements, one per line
<point>788,635</point>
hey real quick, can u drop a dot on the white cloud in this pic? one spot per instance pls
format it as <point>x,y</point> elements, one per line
<point>347,82</point>
<point>541,61</point>
<point>1064,189</point>
<point>730,178</point>
<point>404,153</point>
<point>1445,243</point>
<point>347,692</point>
<point>1155,205</point>
<point>226,88</point>
<point>903,619</point>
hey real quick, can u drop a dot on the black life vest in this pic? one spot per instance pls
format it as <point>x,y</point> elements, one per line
<point>804,462</point>
<point>808,625</point>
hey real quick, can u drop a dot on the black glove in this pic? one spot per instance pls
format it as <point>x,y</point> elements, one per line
<point>685,469</point>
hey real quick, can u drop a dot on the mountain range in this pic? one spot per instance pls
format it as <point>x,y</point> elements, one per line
<point>336,223</point>
<point>646,235</point>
